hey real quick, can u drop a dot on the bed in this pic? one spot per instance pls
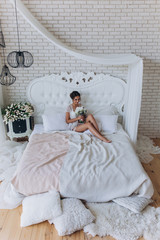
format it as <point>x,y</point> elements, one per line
<point>79,165</point>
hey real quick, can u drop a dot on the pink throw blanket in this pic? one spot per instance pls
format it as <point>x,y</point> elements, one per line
<point>39,167</point>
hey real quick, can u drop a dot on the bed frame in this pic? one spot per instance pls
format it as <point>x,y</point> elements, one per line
<point>97,92</point>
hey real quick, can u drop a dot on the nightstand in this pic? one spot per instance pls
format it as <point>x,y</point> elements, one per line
<point>20,128</point>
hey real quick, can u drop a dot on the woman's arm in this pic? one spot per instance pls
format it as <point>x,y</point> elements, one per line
<point>68,120</point>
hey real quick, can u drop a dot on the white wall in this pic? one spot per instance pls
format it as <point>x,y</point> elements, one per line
<point>110,26</point>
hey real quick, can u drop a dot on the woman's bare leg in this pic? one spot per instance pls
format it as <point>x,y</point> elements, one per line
<point>88,125</point>
<point>91,119</point>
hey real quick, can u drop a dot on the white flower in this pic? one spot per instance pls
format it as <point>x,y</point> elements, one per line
<point>17,111</point>
<point>80,111</point>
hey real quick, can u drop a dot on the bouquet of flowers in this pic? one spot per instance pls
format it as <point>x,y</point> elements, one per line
<point>81,111</point>
<point>17,111</point>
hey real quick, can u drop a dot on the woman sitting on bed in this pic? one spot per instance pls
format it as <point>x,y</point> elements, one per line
<point>89,122</point>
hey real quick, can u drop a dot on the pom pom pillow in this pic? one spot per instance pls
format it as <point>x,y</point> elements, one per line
<point>74,217</point>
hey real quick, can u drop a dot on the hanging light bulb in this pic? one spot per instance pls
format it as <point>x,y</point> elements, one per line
<point>19,58</point>
<point>6,78</point>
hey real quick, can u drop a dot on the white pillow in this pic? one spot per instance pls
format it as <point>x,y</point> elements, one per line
<point>74,217</point>
<point>40,207</point>
<point>134,203</point>
<point>53,109</point>
<point>105,110</point>
<point>54,122</point>
<point>108,122</point>
<point>99,126</point>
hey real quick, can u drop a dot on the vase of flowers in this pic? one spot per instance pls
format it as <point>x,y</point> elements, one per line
<point>18,119</point>
<point>81,111</point>
<point>17,111</point>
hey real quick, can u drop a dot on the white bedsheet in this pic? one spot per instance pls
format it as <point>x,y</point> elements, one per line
<point>99,172</point>
<point>39,129</point>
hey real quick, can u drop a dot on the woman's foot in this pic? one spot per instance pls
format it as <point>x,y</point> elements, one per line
<point>106,140</point>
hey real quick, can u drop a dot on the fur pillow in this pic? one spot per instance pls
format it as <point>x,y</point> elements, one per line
<point>74,217</point>
<point>40,207</point>
<point>134,203</point>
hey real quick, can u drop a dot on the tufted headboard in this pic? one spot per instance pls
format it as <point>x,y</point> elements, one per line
<point>97,91</point>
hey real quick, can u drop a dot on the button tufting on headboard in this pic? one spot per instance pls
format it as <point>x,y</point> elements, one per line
<point>96,90</point>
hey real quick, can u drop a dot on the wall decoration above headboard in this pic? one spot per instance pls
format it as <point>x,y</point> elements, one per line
<point>97,91</point>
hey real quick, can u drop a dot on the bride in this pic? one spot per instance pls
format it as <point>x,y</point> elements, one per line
<point>89,122</point>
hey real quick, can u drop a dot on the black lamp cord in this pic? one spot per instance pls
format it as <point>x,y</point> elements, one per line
<point>2,46</point>
<point>4,57</point>
<point>17,25</point>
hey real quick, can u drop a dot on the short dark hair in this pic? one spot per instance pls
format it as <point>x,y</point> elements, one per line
<point>74,94</point>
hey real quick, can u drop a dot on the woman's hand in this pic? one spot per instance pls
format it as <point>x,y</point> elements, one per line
<point>82,118</point>
<point>79,117</point>
<point>68,120</point>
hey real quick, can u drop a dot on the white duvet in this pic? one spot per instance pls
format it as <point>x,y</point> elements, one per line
<point>98,172</point>
<point>90,170</point>
<point>94,171</point>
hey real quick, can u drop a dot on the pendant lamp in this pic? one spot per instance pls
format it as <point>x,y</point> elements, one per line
<point>6,78</point>
<point>19,58</point>
<point>2,42</point>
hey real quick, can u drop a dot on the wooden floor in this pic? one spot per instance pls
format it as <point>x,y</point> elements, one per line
<point>10,219</point>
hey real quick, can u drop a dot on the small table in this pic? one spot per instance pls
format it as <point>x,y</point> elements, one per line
<point>20,128</point>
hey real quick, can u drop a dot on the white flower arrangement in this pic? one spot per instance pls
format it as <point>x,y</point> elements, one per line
<point>81,111</point>
<point>17,111</point>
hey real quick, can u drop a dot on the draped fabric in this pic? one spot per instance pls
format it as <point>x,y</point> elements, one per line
<point>111,59</point>
<point>133,99</point>
<point>2,129</point>
<point>135,70</point>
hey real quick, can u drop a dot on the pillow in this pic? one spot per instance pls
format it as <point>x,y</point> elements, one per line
<point>105,110</point>
<point>40,207</point>
<point>54,122</point>
<point>74,217</point>
<point>53,109</point>
<point>134,203</point>
<point>99,126</point>
<point>108,122</point>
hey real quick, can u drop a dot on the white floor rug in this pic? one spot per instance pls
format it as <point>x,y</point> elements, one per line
<point>145,147</point>
<point>123,224</point>
<point>10,154</point>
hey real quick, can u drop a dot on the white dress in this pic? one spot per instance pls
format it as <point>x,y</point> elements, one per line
<point>72,113</point>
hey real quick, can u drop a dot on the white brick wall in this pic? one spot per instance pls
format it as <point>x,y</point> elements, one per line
<point>111,26</point>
